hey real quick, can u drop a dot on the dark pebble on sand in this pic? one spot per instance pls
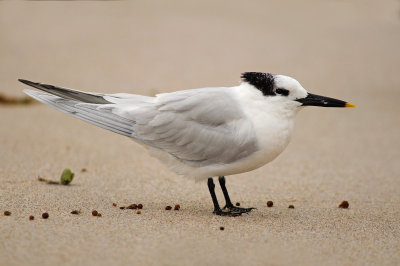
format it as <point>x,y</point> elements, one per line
<point>344,204</point>
<point>83,170</point>
<point>132,206</point>
<point>122,208</point>
<point>7,213</point>
<point>75,212</point>
<point>99,215</point>
<point>45,215</point>
<point>140,206</point>
<point>94,213</point>
<point>168,208</point>
<point>222,228</point>
<point>177,207</point>
<point>31,217</point>
<point>270,203</point>
<point>138,212</point>
<point>291,207</point>
<point>237,204</point>
<point>115,204</point>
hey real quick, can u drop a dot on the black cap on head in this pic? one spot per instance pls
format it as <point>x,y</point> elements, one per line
<point>262,81</point>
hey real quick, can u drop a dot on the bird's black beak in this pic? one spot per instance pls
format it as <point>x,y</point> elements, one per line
<point>317,100</point>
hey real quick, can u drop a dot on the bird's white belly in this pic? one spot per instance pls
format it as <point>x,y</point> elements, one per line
<point>272,140</point>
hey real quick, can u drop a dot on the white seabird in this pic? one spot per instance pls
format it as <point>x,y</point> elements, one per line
<point>199,133</point>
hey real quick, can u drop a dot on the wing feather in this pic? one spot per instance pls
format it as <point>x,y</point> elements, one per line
<point>87,112</point>
<point>198,127</point>
<point>67,93</point>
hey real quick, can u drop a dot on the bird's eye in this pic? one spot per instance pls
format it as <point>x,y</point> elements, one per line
<point>283,92</point>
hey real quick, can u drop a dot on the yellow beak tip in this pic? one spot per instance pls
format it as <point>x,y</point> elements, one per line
<point>350,105</point>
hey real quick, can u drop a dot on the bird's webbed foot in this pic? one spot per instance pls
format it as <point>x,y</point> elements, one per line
<point>227,213</point>
<point>238,209</point>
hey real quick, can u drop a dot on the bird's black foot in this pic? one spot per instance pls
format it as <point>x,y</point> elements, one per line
<point>238,209</point>
<point>227,213</point>
<point>231,211</point>
<point>228,201</point>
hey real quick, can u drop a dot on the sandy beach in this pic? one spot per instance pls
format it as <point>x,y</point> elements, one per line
<point>344,49</point>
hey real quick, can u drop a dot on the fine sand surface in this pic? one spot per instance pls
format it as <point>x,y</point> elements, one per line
<point>344,49</point>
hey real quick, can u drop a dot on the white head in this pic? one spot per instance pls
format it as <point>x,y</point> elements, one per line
<point>287,92</point>
<point>287,85</point>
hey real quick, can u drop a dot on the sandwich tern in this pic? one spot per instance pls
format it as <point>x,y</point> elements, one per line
<point>199,133</point>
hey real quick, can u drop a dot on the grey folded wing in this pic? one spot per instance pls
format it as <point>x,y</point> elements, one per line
<point>198,127</point>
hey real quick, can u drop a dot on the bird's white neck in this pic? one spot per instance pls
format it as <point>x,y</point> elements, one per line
<point>272,122</point>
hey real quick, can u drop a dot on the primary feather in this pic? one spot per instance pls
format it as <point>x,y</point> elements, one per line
<point>88,112</point>
<point>67,93</point>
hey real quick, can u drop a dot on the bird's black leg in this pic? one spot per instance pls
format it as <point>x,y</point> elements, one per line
<point>228,201</point>
<point>217,209</point>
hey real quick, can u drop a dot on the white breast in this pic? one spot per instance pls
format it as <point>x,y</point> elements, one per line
<point>273,127</point>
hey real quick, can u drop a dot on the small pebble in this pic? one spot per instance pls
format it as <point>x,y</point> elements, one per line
<point>7,213</point>
<point>140,206</point>
<point>75,212</point>
<point>291,207</point>
<point>99,215</point>
<point>168,208</point>
<point>132,206</point>
<point>94,213</point>
<point>45,215</point>
<point>270,203</point>
<point>138,212</point>
<point>31,217</point>
<point>222,228</point>
<point>344,204</point>
<point>237,204</point>
<point>122,208</point>
<point>115,204</point>
<point>83,170</point>
<point>177,207</point>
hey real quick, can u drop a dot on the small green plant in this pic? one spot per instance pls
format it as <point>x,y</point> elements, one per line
<point>65,179</point>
